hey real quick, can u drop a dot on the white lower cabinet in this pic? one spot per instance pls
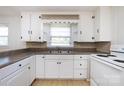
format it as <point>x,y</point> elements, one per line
<point>62,66</point>
<point>80,74</point>
<point>51,69</point>
<point>19,78</point>
<point>32,69</point>
<point>21,73</point>
<point>60,69</point>
<point>40,66</point>
<point>104,74</point>
<point>81,66</point>
<point>66,69</point>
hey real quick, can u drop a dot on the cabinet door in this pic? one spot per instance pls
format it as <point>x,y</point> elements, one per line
<point>80,64</point>
<point>51,69</point>
<point>80,73</point>
<point>40,66</point>
<point>66,69</point>
<point>32,69</point>
<point>86,27</point>
<point>25,26</point>
<point>103,23</point>
<point>36,27</point>
<point>19,78</point>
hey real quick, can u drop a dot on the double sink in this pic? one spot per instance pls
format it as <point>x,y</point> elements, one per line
<point>60,52</point>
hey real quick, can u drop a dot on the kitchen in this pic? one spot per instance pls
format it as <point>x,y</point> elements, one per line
<point>61,46</point>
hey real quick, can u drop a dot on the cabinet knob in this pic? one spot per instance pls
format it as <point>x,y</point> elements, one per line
<point>39,37</point>
<point>20,65</point>
<point>93,38</point>
<point>80,64</point>
<point>80,56</point>
<point>43,57</point>
<point>80,73</point>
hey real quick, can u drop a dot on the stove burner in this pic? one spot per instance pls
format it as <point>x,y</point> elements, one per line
<point>107,55</point>
<point>102,55</point>
<point>112,55</point>
<point>120,61</point>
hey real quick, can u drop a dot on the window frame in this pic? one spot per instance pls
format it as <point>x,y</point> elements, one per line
<point>6,25</point>
<point>50,43</point>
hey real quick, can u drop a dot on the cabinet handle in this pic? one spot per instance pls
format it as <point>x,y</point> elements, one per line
<point>97,30</point>
<point>28,32</point>
<point>80,32</point>
<point>20,65</point>
<point>29,67</point>
<point>39,16</point>
<point>58,62</point>
<point>21,37</point>
<point>31,32</point>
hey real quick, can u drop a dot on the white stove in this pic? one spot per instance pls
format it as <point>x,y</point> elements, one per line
<point>116,56</point>
<point>114,59</point>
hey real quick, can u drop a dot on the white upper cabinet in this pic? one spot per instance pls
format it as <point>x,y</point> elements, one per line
<point>31,27</point>
<point>103,24</point>
<point>25,26</point>
<point>86,27</point>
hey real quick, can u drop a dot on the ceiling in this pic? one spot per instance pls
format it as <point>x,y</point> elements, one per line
<point>15,10</point>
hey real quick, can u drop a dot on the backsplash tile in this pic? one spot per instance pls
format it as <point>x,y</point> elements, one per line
<point>78,46</point>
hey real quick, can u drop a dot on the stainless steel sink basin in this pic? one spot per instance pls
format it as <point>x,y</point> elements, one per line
<point>59,52</point>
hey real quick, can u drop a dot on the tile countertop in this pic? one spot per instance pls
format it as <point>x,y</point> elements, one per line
<point>13,58</point>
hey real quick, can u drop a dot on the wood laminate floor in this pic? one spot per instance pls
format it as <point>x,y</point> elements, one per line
<point>61,83</point>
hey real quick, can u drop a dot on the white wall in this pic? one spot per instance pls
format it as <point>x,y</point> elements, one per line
<point>117,25</point>
<point>14,32</point>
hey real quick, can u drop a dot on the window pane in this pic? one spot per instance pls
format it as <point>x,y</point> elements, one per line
<point>60,31</point>
<point>60,41</point>
<point>3,41</point>
<point>3,31</point>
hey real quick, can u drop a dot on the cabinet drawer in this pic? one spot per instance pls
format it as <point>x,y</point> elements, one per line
<point>59,57</point>
<point>52,57</point>
<point>80,63</point>
<point>80,56</point>
<point>18,78</point>
<point>40,57</point>
<point>12,68</point>
<point>81,74</point>
<point>66,57</point>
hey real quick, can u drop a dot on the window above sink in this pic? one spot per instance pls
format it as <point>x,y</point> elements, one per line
<point>61,35</point>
